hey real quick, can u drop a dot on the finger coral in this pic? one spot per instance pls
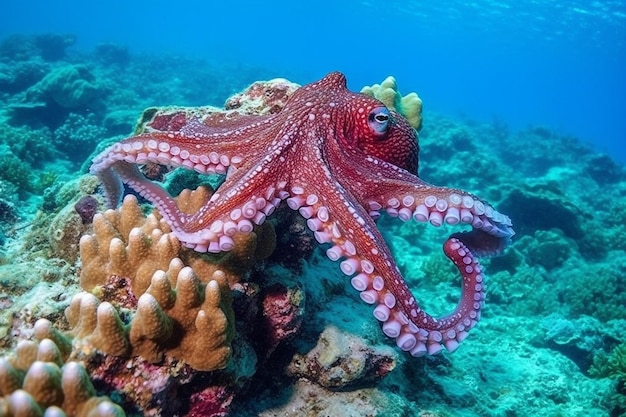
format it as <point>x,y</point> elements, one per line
<point>128,244</point>
<point>181,308</point>
<point>35,382</point>
<point>177,315</point>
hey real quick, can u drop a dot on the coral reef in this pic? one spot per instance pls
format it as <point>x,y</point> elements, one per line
<point>142,303</point>
<point>551,340</point>
<point>20,76</point>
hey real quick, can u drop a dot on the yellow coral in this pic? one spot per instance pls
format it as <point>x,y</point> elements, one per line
<point>410,106</point>
<point>184,306</point>
<point>177,316</point>
<point>128,244</point>
<point>34,381</point>
<point>125,243</point>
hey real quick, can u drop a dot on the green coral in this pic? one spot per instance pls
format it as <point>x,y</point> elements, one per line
<point>598,290</point>
<point>70,86</point>
<point>613,365</point>
<point>15,171</point>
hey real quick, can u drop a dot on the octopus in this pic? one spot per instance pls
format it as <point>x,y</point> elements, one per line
<point>340,159</point>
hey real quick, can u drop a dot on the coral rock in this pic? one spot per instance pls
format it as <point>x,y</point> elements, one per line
<point>262,97</point>
<point>86,208</point>
<point>340,359</point>
<point>283,309</point>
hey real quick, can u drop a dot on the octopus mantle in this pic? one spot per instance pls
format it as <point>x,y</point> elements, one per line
<point>340,159</point>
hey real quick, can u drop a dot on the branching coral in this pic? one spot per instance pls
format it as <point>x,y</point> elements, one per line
<point>613,365</point>
<point>15,171</point>
<point>78,135</point>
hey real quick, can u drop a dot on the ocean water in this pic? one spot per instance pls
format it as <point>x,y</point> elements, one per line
<point>523,106</point>
<point>552,63</point>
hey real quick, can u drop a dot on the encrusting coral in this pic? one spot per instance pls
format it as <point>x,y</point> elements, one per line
<point>340,359</point>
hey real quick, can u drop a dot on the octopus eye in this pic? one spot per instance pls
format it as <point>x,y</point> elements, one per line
<point>378,120</point>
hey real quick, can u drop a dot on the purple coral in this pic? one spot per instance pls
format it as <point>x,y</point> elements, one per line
<point>86,208</point>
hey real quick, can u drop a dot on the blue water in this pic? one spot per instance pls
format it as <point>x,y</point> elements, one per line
<point>522,62</point>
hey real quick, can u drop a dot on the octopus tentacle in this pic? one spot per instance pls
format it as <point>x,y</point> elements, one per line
<point>157,147</point>
<point>164,149</point>
<point>230,211</point>
<point>444,206</point>
<point>406,196</point>
<point>373,273</point>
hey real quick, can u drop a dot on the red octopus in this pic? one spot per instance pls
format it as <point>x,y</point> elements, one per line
<point>339,158</point>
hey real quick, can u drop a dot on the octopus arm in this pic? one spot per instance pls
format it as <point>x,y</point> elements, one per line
<point>386,188</point>
<point>165,148</point>
<point>363,255</point>
<point>230,210</point>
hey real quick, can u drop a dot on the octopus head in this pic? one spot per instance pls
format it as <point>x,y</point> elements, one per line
<point>387,135</point>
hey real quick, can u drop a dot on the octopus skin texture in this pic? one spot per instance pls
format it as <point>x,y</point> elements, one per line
<point>340,159</point>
